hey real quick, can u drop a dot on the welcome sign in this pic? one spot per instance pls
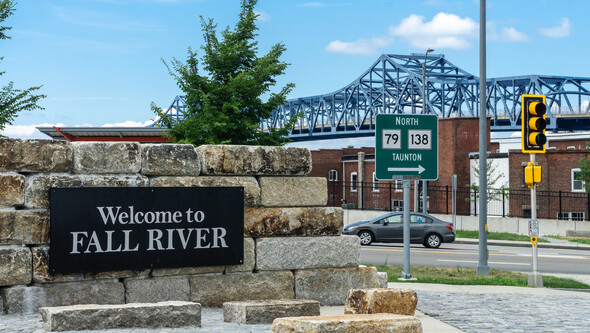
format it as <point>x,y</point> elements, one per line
<point>109,229</point>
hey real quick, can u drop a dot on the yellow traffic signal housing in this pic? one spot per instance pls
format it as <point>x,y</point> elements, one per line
<point>532,174</point>
<point>533,123</point>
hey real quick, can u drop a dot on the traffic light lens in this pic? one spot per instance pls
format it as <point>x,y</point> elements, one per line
<point>537,139</point>
<point>537,108</point>
<point>537,123</point>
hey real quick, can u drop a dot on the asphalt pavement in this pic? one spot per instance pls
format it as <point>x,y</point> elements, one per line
<point>441,308</point>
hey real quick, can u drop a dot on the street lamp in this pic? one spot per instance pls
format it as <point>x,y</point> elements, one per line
<point>424,80</point>
<point>424,110</point>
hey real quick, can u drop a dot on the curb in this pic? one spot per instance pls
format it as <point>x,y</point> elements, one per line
<point>574,246</point>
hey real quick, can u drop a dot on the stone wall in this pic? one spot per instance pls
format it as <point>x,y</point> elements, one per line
<point>293,247</point>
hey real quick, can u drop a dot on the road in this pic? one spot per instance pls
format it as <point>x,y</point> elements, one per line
<point>517,259</point>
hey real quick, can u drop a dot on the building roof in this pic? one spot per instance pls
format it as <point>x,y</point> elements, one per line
<point>129,134</point>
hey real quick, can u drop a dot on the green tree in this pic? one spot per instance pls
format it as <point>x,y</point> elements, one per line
<point>224,104</point>
<point>12,100</point>
<point>584,174</point>
<point>495,190</point>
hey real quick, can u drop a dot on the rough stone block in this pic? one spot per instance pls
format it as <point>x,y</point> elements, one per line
<point>368,301</point>
<point>106,157</point>
<point>37,186</point>
<point>188,271</point>
<point>329,286</point>
<point>15,265</point>
<point>214,290</point>
<point>157,290</point>
<point>12,190</point>
<point>382,276</point>
<point>41,270</point>
<point>249,258</point>
<point>114,181</point>
<point>169,160</point>
<point>250,185</point>
<point>35,155</point>
<point>24,227</point>
<point>287,253</point>
<point>369,323</point>
<point>293,191</point>
<point>264,312</point>
<point>102,317</point>
<point>312,221</point>
<point>254,160</point>
<point>28,299</point>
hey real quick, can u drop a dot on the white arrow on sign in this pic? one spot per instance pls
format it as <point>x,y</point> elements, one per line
<point>420,169</point>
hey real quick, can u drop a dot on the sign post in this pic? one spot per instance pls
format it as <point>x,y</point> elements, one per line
<point>406,147</point>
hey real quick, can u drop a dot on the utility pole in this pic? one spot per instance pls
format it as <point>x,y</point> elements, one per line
<point>482,266</point>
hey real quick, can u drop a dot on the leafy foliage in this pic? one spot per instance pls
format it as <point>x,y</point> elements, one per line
<point>14,100</point>
<point>584,174</point>
<point>224,105</point>
<point>495,191</point>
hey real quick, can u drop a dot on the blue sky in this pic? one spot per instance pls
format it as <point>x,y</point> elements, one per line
<point>99,61</point>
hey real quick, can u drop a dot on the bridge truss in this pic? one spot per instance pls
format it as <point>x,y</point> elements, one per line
<point>393,84</point>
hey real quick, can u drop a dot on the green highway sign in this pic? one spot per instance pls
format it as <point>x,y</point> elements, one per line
<point>406,146</point>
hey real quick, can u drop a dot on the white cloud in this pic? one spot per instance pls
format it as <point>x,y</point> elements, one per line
<point>360,47</point>
<point>512,35</point>
<point>27,131</point>
<point>444,31</point>
<point>262,16</point>
<point>562,30</point>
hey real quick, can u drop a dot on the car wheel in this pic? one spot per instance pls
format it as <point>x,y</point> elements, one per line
<point>432,241</point>
<point>366,237</point>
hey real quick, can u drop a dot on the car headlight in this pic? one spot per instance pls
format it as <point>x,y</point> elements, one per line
<point>351,228</point>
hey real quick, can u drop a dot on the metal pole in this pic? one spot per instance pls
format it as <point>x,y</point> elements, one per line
<point>416,209</point>
<point>454,202</point>
<point>424,197</point>
<point>424,111</point>
<point>482,266</point>
<point>535,279</point>
<point>406,275</point>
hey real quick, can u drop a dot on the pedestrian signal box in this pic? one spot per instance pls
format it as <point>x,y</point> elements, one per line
<point>533,123</point>
<point>532,174</point>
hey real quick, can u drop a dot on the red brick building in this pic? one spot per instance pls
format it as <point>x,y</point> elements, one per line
<point>559,194</point>
<point>349,170</point>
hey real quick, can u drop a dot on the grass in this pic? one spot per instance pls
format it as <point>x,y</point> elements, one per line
<point>581,240</point>
<point>497,236</point>
<point>467,276</point>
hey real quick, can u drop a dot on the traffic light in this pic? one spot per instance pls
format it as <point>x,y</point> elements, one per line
<point>533,123</point>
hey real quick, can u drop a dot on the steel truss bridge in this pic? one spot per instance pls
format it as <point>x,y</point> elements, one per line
<point>393,84</point>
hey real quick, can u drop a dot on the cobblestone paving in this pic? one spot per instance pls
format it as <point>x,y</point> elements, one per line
<point>508,312</point>
<point>211,322</point>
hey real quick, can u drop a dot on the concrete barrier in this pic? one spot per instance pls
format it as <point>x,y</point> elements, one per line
<point>363,323</point>
<point>132,315</point>
<point>265,311</point>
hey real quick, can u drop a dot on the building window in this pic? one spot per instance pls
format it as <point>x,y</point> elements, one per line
<point>375,183</point>
<point>353,182</point>
<point>398,205</point>
<point>577,185</point>
<point>570,216</point>
<point>333,175</point>
<point>399,185</point>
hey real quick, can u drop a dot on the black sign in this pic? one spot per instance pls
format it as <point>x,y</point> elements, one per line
<point>110,229</point>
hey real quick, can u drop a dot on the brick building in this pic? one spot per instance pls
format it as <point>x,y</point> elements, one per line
<point>350,174</point>
<point>559,195</point>
<point>351,171</point>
